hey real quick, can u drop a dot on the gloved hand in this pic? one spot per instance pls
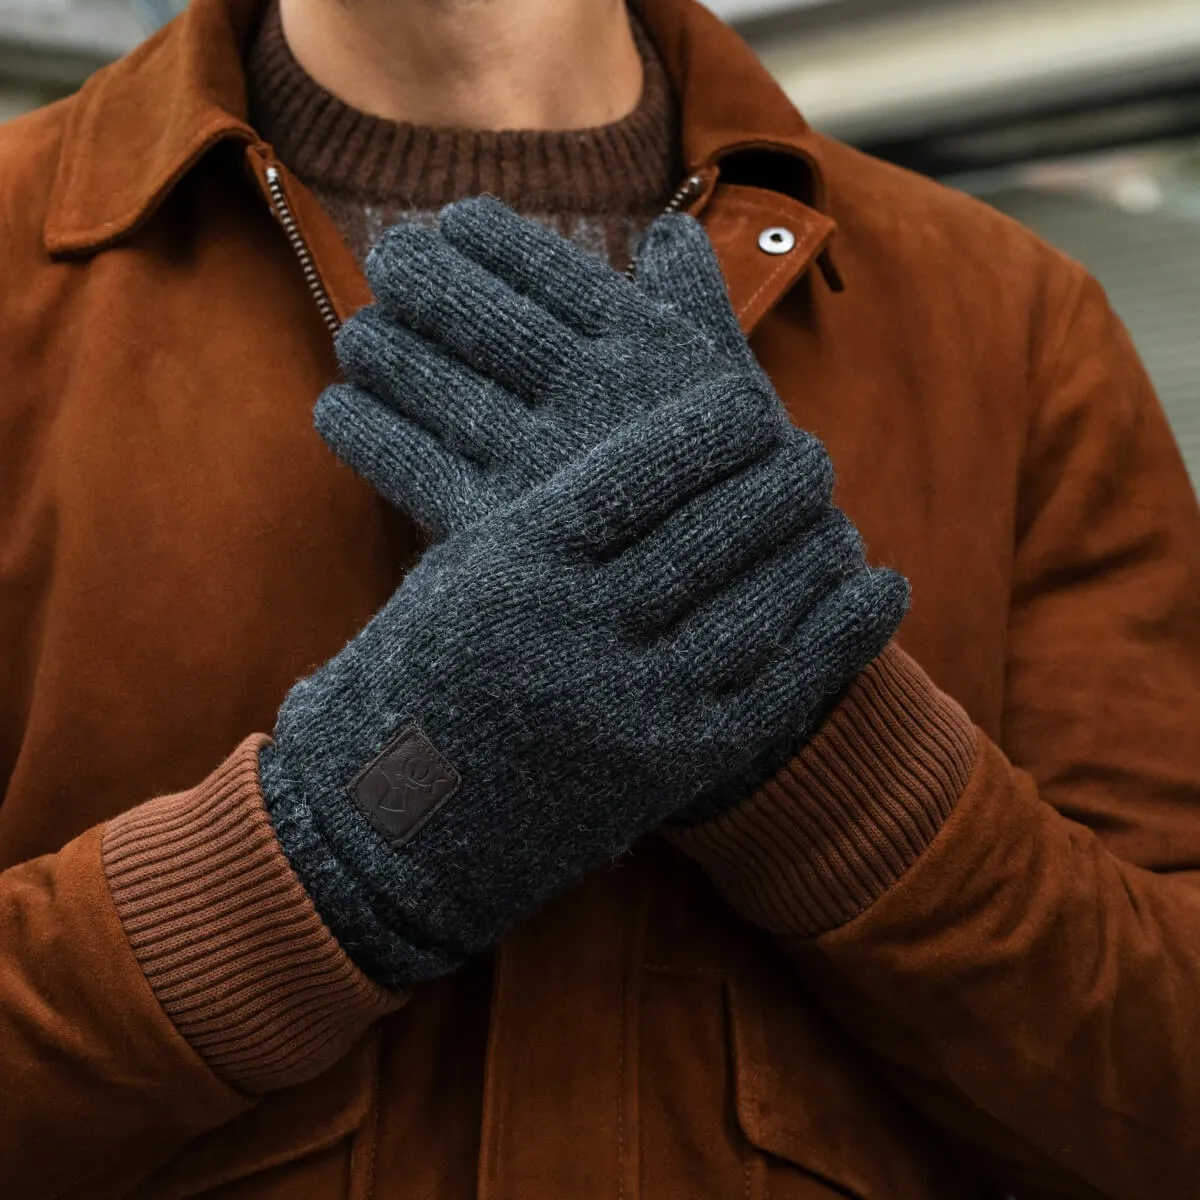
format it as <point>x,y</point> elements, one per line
<point>498,351</point>
<point>664,619</point>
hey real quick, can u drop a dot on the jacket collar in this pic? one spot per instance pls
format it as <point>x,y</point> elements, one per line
<point>138,126</point>
<point>731,108</point>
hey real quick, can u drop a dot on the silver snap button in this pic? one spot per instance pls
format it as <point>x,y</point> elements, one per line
<point>776,240</point>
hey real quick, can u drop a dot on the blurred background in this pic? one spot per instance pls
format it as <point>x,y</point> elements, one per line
<point>1081,118</point>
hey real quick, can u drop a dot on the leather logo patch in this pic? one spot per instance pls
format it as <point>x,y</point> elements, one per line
<point>403,788</point>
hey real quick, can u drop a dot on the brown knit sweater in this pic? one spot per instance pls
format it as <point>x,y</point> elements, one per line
<point>601,186</point>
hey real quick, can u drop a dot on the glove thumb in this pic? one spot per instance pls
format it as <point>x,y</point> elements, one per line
<point>677,266</point>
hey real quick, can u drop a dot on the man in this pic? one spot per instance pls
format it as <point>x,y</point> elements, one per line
<point>911,916</point>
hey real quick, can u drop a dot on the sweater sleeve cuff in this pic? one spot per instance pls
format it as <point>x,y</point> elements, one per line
<point>838,825</point>
<point>227,937</point>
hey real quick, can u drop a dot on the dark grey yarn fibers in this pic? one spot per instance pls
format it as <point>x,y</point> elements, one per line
<point>647,623</point>
<point>498,351</point>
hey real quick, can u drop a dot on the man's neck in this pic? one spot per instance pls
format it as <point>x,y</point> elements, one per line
<point>476,64</point>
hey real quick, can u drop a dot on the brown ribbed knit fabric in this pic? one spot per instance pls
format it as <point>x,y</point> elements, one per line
<point>832,831</point>
<point>600,187</point>
<point>227,936</point>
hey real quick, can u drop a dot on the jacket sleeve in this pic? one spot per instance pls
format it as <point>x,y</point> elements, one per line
<point>1013,930</point>
<point>160,973</point>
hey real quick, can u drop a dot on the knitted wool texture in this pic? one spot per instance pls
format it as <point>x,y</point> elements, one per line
<point>630,619</point>
<point>497,352</point>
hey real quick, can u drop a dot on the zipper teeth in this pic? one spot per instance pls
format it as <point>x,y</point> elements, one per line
<point>684,192</point>
<point>283,211</point>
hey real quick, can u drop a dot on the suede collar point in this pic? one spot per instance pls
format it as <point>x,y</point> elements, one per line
<point>138,126</point>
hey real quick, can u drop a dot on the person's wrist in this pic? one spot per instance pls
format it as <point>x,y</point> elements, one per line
<point>840,823</point>
<point>346,884</point>
<point>848,627</point>
<point>227,938</point>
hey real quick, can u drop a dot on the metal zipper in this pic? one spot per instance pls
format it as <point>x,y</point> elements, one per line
<point>283,212</point>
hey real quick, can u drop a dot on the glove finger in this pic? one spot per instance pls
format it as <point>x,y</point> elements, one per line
<point>580,289</point>
<point>634,479</point>
<point>789,697</point>
<point>467,413</point>
<point>421,281</point>
<point>712,540</point>
<point>405,463</point>
<point>677,266</point>
<point>741,627</point>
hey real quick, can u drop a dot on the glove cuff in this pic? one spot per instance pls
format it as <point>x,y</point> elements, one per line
<point>354,906</point>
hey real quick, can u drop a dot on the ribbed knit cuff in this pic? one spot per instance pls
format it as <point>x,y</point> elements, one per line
<point>228,938</point>
<point>837,826</point>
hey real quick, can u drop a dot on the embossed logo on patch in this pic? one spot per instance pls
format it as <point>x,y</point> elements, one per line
<point>403,788</point>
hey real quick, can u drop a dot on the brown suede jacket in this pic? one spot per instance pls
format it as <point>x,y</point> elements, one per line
<point>1002,843</point>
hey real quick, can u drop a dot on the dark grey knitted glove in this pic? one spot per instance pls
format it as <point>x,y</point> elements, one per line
<point>661,621</point>
<point>498,351</point>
